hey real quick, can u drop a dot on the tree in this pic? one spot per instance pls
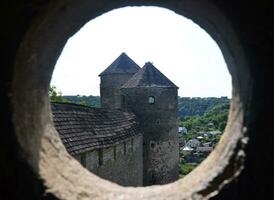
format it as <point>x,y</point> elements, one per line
<point>56,96</point>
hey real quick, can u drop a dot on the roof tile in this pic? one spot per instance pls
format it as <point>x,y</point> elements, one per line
<point>122,64</point>
<point>148,76</point>
<point>84,128</point>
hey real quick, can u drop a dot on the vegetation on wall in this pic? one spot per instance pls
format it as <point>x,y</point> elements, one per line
<point>56,96</point>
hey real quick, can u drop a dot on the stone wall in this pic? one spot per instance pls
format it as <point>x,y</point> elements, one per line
<point>122,164</point>
<point>110,89</point>
<point>161,160</point>
<point>159,125</point>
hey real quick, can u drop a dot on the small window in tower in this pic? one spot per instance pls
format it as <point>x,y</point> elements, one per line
<point>114,153</point>
<point>152,144</point>
<point>123,100</point>
<point>131,145</point>
<point>158,121</point>
<point>151,100</point>
<point>100,157</point>
<point>125,148</point>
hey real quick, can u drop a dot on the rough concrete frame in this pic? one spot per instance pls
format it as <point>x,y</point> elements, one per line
<point>40,145</point>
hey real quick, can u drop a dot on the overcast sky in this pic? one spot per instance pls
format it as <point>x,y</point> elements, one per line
<point>180,49</point>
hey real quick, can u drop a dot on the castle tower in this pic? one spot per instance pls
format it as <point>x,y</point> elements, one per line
<point>153,98</point>
<point>113,77</point>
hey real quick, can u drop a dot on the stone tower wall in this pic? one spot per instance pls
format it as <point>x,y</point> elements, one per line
<point>159,124</point>
<point>121,164</point>
<point>110,89</point>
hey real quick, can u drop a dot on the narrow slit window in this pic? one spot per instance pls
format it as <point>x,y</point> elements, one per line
<point>100,157</point>
<point>123,100</point>
<point>132,143</point>
<point>152,144</point>
<point>151,100</point>
<point>125,148</point>
<point>114,153</point>
<point>158,121</point>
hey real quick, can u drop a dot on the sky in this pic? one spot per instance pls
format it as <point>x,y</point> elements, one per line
<point>175,45</point>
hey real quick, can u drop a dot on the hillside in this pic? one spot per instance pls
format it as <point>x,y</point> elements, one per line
<point>198,106</point>
<point>213,119</point>
<point>187,106</point>
<point>93,101</point>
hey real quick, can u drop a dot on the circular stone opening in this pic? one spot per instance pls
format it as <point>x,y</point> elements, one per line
<point>183,53</point>
<point>42,148</point>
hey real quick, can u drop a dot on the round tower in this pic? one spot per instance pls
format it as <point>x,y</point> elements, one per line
<point>153,98</point>
<point>113,77</point>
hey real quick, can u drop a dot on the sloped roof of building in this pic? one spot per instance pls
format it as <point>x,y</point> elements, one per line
<point>83,128</point>
<point>148,76</point>
<point>122,64</point>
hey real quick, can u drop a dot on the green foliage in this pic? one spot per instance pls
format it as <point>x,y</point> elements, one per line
<point>92,101</point>
<point>185,168</point>
<point>56,96</point>
<point>198,106</point>
<point>213,119</point>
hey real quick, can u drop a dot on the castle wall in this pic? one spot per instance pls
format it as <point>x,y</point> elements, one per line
<point>122,164</point>
<point>110,89</point>
<point>159,124</point>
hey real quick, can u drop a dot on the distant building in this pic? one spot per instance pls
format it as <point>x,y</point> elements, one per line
<point>186,148</point>
<point>204,149</point>
<point>193,143</point>
<point>200,137</point>
<point>214,133</point>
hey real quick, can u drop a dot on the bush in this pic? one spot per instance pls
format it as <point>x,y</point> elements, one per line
<point>185,168</point>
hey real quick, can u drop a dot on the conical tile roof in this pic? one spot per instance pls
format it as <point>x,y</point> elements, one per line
<point>148,76</point>
<point>122,64</point>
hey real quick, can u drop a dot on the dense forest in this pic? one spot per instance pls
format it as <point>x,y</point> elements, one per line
<point>199,106</point>
<point>214,118</point>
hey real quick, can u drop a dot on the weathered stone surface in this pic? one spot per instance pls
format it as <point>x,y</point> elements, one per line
<point>126,168</point>
<point>159,126</point>
<point>93,135</point>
